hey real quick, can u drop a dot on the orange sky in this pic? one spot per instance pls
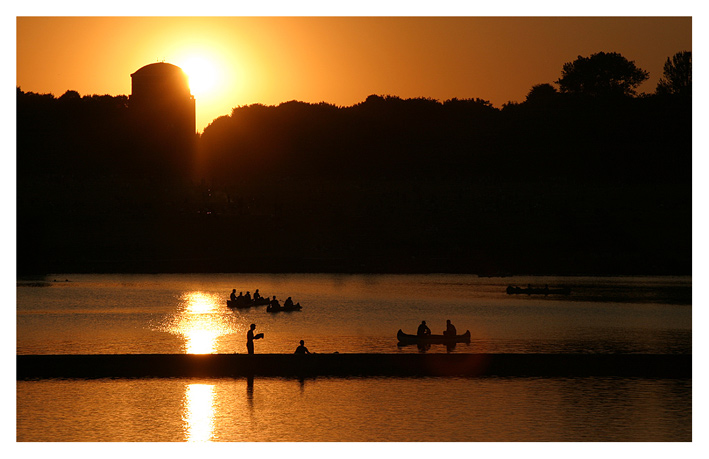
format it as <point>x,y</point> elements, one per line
<point>340,60</point>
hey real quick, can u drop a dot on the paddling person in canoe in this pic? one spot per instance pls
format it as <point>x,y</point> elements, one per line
<point>250,337</point>
<point>274,305</point>
<point>423,329</point>
<point>450,331</point>
<point>232,297</point>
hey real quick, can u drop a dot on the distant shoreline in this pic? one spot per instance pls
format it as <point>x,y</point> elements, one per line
<point>223,268</point>
<point>64,276</point>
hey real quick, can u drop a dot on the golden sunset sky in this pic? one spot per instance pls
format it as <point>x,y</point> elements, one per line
<point>233,61</point>
<point>272,57</point>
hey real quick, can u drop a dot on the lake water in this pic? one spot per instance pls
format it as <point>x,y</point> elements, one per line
<point>180,313</point>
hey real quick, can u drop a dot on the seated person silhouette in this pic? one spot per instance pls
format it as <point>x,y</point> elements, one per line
<point>450,330</point>
<point>423,329</point>
<point>302,349</point>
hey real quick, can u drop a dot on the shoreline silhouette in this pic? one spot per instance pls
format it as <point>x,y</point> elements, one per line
<point>563,183</point>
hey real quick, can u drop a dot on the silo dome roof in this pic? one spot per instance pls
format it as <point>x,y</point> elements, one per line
<point>159,68</point>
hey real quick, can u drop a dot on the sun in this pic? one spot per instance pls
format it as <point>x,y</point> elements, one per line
<point>203,73</point>
<point>215,75</point>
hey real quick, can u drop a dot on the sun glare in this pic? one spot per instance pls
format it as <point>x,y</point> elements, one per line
<point>210,72</point>
<point>203,73</point>
<point>201,321</point>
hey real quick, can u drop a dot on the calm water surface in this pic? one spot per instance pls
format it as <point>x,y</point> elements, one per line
<point>352,313</point>
<point>355,409</point>
<point>122,314</point>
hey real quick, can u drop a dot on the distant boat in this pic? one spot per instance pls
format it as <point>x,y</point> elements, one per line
<point>244,303</point>
<point>538,290</point>
<point>432,339</point>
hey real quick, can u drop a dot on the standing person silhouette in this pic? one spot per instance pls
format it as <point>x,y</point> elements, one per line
<point>250,337</point>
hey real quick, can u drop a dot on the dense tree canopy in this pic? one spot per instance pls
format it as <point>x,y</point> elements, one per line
<point>677,75</point>
<point>601,74</point>
<point>541,93</point>
<point>555,184</point>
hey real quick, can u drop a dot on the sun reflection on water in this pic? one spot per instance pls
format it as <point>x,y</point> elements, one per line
<point>201,321</point>
<point>198,414</point>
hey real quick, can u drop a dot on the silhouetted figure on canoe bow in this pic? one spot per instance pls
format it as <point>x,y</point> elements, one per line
<point>450,329</point>
<point>302,349</point>
<point>250,337</point>
<point>232,297</point>
<point>423,329</point>
<point>288,303</point>
<point>257,295</point>
<point>274,303</point>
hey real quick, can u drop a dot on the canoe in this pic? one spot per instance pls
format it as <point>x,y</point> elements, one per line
<point>432,339</point>
<point>295,307</point>
<point>242,304</point>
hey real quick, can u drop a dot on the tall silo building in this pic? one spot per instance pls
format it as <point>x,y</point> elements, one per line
<point>163,90</point>
<point>164,112</point>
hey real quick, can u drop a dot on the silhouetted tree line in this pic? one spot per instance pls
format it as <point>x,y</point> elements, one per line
<point>388,137</point>
<point>592,128</point>
<point>382,137</point>
<point>94,135</point>
<point>587,179</point>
